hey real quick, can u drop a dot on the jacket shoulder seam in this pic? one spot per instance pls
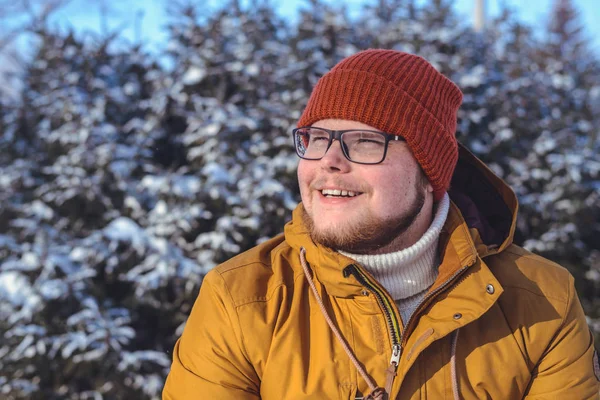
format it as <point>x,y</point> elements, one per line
<point>546,296</point>
<point>263,299</point>
<point>532,256</point>
<point>222,271</point>
<point>223,268</point>
<point>567,303</point>
<point>276,285</point>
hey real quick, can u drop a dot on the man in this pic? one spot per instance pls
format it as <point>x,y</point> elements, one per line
<point>397,277</point>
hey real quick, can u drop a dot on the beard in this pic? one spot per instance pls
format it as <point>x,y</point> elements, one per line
<point>370,233</point>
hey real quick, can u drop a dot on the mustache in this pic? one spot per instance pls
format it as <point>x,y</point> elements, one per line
<point>321,183</point>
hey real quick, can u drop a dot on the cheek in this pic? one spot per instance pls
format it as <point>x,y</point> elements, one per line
<point>304,176</point>
<point>391,190</point>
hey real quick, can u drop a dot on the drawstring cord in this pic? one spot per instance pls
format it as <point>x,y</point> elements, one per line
<point>453,365</point>
<point>377,393</point>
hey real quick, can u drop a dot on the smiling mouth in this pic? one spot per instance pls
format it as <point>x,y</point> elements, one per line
<point>339,193</point>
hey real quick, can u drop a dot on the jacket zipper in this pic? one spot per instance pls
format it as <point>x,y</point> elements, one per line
<point>392,321</point>
<point>390,316</point>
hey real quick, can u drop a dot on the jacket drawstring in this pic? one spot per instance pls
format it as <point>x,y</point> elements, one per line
<point>453,365</point>
<point>377,393</point>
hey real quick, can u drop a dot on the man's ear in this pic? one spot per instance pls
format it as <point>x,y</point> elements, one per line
<point>429,187</point>
<point>425,182</point>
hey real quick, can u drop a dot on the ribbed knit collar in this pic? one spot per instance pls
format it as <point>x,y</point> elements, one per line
<point>412,270</point>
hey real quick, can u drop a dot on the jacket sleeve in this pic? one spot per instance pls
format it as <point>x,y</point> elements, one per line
<point>566,369</point>
<point>209,360</point>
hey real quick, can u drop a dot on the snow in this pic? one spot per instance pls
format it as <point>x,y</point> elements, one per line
<point>193,75</point>
<point>137,358</point>
<point>504,135</point>
<point>216,174</point>
<point>153,183</point>
<point>187,186</point>
<point>41,210</point>
<point>23,349</point>
<point>16,289</point>
<point>474,79</point>
<point>125,229</point>
<point>23,330</point>
<point>53,289</point>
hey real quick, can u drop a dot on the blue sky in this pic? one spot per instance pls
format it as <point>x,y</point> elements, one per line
<point>85,15</point>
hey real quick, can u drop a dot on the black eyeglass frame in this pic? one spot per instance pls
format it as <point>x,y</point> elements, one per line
<point>337,135</point>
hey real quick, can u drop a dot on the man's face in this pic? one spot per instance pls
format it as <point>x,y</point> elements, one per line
<point>389,196</point>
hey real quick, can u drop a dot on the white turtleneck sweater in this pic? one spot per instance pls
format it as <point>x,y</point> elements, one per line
<point>408,274</point>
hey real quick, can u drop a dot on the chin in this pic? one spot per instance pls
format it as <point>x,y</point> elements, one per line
<point>337,235</point>
<point>330,229</point>
<point>338,223</point>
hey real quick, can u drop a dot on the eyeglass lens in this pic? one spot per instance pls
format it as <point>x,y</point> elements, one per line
<point>359,146</point>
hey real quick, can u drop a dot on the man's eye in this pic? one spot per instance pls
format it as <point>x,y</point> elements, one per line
<point>370,141</point>
<point>318,138</point>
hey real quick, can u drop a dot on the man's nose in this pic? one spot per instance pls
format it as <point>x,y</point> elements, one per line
<point>334,159</point>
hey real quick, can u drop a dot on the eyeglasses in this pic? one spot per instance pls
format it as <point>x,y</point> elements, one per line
<point>358,145</point>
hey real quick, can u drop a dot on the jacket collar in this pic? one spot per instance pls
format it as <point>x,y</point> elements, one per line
<point>327,264</point>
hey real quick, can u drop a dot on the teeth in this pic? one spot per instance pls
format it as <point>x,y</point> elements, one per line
<point>336,192</point>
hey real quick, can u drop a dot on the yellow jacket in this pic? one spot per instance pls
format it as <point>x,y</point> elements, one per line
<point>498,323</point>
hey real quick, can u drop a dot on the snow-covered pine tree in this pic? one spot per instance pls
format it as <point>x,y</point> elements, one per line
<point>73,322</point>
<point>229,76</point>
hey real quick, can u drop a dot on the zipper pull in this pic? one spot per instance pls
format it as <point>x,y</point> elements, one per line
<point>390,373</point>
<point>396,352</point>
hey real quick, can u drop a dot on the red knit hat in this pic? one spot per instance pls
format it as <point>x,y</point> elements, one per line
<point>397,93</point>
